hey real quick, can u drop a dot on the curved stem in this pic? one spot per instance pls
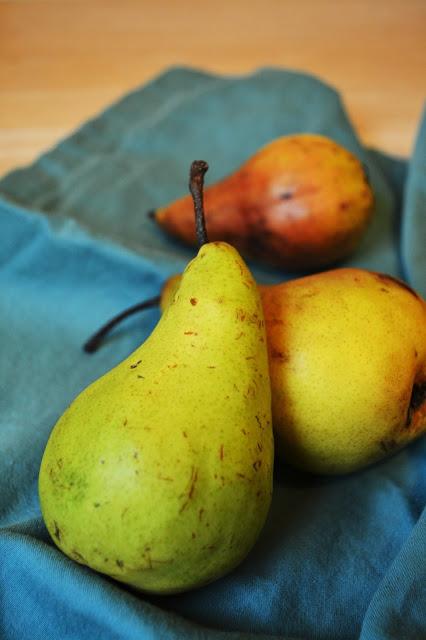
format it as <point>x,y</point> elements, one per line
<point>93,343</point>
<point>196,182</point>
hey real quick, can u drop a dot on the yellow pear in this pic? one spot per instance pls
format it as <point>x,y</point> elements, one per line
<point>159,474</point>
<point>347,354</point>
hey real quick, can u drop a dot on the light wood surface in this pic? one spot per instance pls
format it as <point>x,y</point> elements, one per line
<point>61,61</point>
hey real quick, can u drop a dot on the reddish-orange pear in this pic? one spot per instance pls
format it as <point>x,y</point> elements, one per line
<point>302,202</point>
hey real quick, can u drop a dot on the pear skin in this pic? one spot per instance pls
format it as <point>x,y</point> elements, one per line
<point>347,353</point>
<point>301,202</point>
<point>168,291</point>
<point>159,474</point>
<point>347,360</point>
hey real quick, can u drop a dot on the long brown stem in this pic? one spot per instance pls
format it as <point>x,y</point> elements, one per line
<point>93,343</point>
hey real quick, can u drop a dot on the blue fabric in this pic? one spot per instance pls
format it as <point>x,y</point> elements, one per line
<point>339,558</point>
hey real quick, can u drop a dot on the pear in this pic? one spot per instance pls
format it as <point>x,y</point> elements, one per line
<point>347,354</point>
<point>301,202</point>
<point>347,359</point>
<point>159,474</point>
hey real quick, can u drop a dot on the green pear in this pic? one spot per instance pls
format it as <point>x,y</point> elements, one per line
<point>347,353</point>
<point>159,474</point>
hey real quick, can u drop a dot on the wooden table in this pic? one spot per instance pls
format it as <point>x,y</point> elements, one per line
<point>61,61</point>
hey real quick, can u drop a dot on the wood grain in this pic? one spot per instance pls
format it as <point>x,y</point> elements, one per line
<point>61,61</point>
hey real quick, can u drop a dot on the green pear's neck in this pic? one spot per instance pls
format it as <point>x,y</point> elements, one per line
<point>217,269</point>
<point>217,282</point>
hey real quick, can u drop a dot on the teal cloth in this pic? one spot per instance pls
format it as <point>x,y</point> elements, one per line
<point>339,558</point>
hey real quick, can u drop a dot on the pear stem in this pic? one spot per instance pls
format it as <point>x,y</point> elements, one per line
<point>196,182</point>
<point>94,342</point>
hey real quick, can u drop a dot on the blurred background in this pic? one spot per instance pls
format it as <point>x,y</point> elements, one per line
<point>62,61</point>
